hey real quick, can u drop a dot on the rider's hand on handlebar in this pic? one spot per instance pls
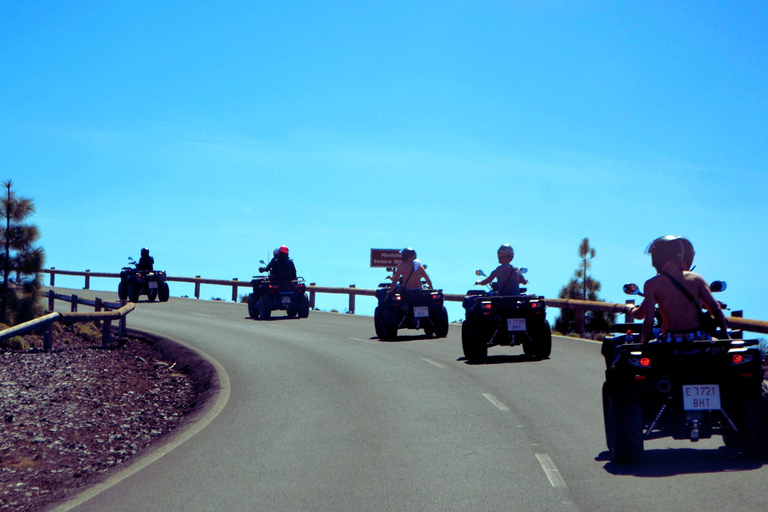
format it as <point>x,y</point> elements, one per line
<point>262,269</point>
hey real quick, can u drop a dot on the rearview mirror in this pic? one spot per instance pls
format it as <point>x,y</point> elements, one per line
<point>717,286</point>
<point>632,289</point>
<point>479,272</point>
<point>523,270</point>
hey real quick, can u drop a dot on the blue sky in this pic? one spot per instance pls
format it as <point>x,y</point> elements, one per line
<point>213,133</point>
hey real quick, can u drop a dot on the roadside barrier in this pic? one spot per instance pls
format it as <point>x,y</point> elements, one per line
<point>103,315</point>
<point>735,321</point>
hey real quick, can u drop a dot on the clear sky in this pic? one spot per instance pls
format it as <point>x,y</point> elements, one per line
<point>212,132</point>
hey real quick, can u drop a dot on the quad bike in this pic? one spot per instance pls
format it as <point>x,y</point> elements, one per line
<point>269,295</point>
<point>508,320</point>
<point>134,282</point>
<point>409,309</point>
<point>687,390</point>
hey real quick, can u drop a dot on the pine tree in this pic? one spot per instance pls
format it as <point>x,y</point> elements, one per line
<point>583,287</point>
<point>18,299</point>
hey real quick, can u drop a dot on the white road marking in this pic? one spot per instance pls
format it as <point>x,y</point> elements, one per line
<point>495,401</point>
<point>200,314</point>
<point>359,339</point>
<point>555,478</point>
<point>430,361</point>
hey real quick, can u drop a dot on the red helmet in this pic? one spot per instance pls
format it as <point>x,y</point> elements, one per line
<point>283,250</point>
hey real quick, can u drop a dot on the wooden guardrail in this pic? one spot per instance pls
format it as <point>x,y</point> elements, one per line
<point>104,313</point>
<point>736,322</point>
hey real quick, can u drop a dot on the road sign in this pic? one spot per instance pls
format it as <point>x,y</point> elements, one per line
<point>385,258</point>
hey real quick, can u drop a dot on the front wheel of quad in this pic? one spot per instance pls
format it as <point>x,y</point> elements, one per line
<point>755,445</point>
<point>389,325</point>
<point>265,308</point>
<point>163,292</point>
<point>302,308</point>
<point>441,323</point>
<point>474,346</point>
<point>253,307</point>
<point>626,427</point>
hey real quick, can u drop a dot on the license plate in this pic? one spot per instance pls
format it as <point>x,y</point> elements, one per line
<point>421,311</point>
<point>153,285</point>
<point>286,299</point>
<point>701,397</point>
<point>515,324</point>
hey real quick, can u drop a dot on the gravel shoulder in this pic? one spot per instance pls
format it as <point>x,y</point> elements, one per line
<point>71,417</point>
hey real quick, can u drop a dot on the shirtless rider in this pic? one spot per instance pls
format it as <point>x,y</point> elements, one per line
<point>409,272</point>
<point>680,320</point>
<point>508,278</point>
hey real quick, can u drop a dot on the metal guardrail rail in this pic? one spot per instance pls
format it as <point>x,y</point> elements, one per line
<point>735,322</point>
<point>111,311</point>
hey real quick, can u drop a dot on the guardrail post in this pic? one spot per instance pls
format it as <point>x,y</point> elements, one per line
<point>197,287</point>
<point>53,276</point>
<point>351,300</point>
<point>121,326</point>
<point>73,305</point>
<point>87,280</point>
<point>97,308</point>
<point>234,290</point>
<point>311,296</point>
<point>106,335</point>
<point>51,300</point>
<point>627,317</point>
<point>48,338</point>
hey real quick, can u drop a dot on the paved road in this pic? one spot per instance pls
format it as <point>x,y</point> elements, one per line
<point>321,416</point>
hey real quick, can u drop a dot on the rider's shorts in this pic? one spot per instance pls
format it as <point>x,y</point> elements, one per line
<point>680,336</point>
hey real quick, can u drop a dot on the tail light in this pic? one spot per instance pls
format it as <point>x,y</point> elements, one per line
<point>486,305</point>
<point>535,305</point>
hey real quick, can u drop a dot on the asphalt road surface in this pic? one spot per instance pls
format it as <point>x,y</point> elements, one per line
<point>318,414</point>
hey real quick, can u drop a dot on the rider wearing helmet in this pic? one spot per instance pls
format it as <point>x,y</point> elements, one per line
<point>680,318</point>
<point>508,278</point>
<point>409,272</point>
<point>281,268</point>
<point>146,262</point>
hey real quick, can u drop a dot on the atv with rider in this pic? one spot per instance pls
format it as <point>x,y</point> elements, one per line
<point>508,320</point>
<point>684,390</point>
<point>270,294</point>
<point>134,282</point>
<point>409,309</point>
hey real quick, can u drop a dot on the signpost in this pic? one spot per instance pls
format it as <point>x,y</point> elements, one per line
<point>385,258</point>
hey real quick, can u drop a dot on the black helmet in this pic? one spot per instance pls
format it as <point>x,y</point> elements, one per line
<point>665,249</point>
<point>689,253</point>
<point>145,252</point>
<point>408,253</point>
<point>506,249</point>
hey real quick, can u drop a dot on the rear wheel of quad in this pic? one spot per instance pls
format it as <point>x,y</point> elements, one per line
<point>152,295</point>
<point>475,346</point>
<point>441,323</point>
<point>389,325</point>
<point>378,322</point>
<point>626,427</point>
<point>133,293</point>
<point>121,293</point>
<point>265,308</point>
<point>253,307</point>
<point>163,292</point>
<point>302,308</point>
<point>290,310</point>
<point>542,342</point>
<point>756,425</point>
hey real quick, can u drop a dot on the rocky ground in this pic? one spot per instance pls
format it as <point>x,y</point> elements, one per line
<point>71,416</point>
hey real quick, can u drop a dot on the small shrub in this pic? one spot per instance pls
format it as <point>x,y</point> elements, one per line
<point>88,332</point>
<point>19,343</point>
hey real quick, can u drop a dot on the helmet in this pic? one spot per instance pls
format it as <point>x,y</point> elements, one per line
<point>283,250</point>
<point>274,253</point>
<point>408,253</point>
<point>665,249</point>
<point>145,252</point>
<point>688,255</point>
<point>506,249</point>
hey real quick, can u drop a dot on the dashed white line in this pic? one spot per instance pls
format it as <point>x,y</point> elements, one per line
<point>430,361</point>
<point>359,339</point>
<point>555,478</point>
<point>495,401</point>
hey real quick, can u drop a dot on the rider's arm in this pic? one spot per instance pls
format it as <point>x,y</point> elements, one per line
<point>487,280</point>
<point>425,276</point>
<point>396,277</point>
<point>712,306</point>
<point>522,280</point>
<point>649,306</point>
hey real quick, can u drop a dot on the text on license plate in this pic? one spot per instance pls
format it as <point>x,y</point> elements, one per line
<point>515,324</point>
<point>153,285</point>
<point>421,311</point>
<point>286,299</point>
<point>701,397</point>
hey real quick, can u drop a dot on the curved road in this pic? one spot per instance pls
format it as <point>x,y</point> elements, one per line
<point>322,416</point>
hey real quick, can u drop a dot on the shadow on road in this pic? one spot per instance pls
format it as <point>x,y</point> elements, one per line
<point>666,462</point>
<point>500,359</point>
